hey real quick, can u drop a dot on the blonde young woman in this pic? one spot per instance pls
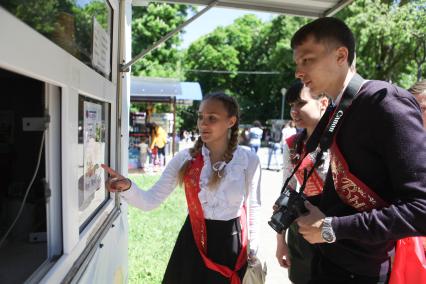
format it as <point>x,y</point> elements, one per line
<point>306,111</point>
<point>219,178</point>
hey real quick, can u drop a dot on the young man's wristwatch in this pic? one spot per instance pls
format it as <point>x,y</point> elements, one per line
<point>327,232</point>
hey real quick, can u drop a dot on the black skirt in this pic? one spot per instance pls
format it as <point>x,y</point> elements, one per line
<point>186,265</point>
<point>301,255</point>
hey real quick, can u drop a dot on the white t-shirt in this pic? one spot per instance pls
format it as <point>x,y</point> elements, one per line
<point>255,135</point>
<point>143,148</point>
<point>287,132</point>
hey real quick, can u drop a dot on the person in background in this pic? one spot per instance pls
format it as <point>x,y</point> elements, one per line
<point>288,130</point>
<point>143,152</point>
<point>244,138</point>
<point>255,135</point>
<point>419,92</point>
<point>274,145</point>
<point>306,111</point>
<point>220,180</point>
<point>159,141</point>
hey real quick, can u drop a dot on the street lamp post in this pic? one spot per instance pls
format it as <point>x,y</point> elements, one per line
<point>283,92</point>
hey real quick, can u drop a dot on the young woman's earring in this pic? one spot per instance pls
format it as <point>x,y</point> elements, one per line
<point>229,133</point>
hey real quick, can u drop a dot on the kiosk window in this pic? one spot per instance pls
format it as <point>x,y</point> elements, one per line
<point>93,139</point>
<point>83,27</point>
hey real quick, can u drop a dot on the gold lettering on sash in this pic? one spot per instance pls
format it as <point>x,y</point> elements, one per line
<point>348,190</point>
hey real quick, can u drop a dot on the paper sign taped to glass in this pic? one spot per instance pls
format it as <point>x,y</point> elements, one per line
<point>94,149</point>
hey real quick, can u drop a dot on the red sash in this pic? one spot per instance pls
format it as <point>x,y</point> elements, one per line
<point>315,184</point>
<point>409,265</point>
<point>198,223</point>
<point>351,190</point>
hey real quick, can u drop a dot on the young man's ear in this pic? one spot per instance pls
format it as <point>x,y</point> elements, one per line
<point>324,101</point>
<point>342,55</point>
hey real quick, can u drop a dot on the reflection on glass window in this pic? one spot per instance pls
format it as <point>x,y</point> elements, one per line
<point>81,27</point>
<point>93,137</point>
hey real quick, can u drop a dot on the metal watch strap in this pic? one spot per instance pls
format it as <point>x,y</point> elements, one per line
<point>327,232</point>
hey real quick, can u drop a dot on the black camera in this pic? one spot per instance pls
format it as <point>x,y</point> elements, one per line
<point>290,205</point>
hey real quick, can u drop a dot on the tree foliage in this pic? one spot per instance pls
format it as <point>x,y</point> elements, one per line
<point>247,45</point>
<point>149,24</point>
<point>391,46</point>
<point>389,34</point>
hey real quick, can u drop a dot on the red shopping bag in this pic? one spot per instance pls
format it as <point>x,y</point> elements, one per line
<point>154,151</point>
<point>409,266</point>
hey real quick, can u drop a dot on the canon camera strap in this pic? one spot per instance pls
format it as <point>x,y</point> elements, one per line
<point>323,134</point>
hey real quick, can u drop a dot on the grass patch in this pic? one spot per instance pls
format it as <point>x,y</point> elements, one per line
<point>152,235</point>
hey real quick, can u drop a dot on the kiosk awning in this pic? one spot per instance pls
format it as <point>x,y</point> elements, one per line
<point>306,8</point>
<point>143,89</point>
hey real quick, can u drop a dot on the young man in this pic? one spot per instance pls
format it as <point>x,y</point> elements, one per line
<point>375,191</point>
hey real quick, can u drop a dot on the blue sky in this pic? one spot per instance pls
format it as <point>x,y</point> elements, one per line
<point>212,19</point>
<point>209,21</point>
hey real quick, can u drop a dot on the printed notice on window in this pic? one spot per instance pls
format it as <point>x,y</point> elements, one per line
<point>94,150</point>
<point>101,48</point>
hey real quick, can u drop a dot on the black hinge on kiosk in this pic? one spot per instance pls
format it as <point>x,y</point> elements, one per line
<point>35,123</point>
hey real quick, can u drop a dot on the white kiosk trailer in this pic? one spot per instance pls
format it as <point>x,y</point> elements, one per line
<point>65,91</point>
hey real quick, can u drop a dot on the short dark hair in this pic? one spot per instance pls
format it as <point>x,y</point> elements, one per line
<point>257,123</point>
<point>293,92</point>
<point>327,29</point>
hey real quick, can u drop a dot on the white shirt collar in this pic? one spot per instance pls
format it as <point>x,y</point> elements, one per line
<point>238,158</point>
<point>205,152</point>
<point>339,97</point>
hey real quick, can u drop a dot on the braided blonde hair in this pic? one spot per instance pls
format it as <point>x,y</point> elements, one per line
<point>232,109</point>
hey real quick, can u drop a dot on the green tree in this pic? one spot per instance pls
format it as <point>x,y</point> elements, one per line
<point>149,24</point>
<point>212,52</point>
<point>271,52</point>
<point>225,49</point>
<point>388,33</point>
<point>249,45</point>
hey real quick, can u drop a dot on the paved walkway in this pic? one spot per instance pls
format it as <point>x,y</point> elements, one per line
<point>271,186</point>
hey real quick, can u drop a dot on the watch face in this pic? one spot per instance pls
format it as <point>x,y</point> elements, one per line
<point>327,236</point>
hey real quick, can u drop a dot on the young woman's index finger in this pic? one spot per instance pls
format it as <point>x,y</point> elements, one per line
<point>109,170</point>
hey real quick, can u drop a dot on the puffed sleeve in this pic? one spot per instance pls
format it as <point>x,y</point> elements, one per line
<point>152,198</point>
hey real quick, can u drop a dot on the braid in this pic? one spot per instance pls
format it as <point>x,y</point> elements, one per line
<point>194,151</point>
<point>232,145</point>
<point>227,156</point>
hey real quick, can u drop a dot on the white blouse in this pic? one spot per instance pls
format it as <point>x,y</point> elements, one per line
<point>242,176</point>
<point>288,167</point>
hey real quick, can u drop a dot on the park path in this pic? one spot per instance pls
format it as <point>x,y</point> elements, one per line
<point>270,188</point>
